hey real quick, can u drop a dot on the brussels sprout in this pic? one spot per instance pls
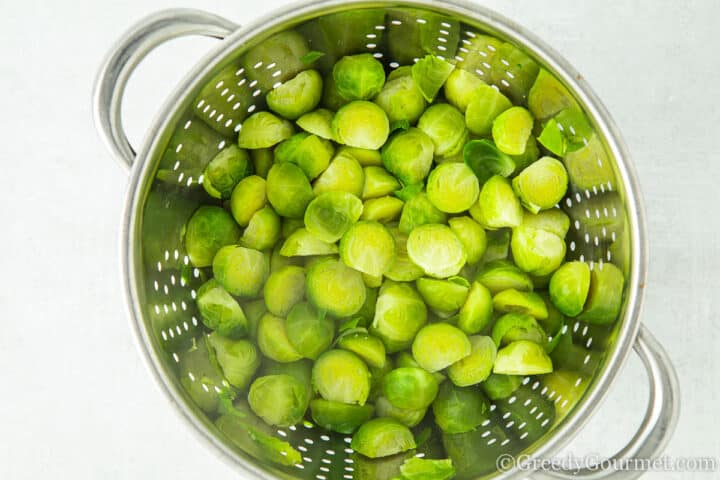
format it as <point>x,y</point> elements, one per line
<point>552,138</point>
<point>359,77</point>
<point>514,301</point>
<point>284,51</point>
<point>569,287</point>
<point>405,360</point>
<point>497,205</point>
<point>399,315</point>
<point>477,311</point>
<point>340,376</point>
<point>301,370</point>
<point>378,183</point>
<point>408,417</point>
<point>485,160</point>
<point>331,214</point>
<point>372,281</point>
<point>437,250</point>
<point>408,155</point>
<point>280,400</point>
<point>263,130</point>
<point>364,156</point>
<point>402,100</point>
<point>605,297</point>
<point>288,190</point>
<point>511,130</point>
<point>419,211</point>
<point>368,247</point>
<point>476,367</point>
<point>471,235</point>
<point>309,152</point>
<point>444,295</point>
<point>402,269</point>
<point>248,196</point>
<point>541,185</point>
<point>548,96</point>
<point>485,105</point>
<point>445,125</point>
<point>361,124</point>
<point>310,332</point>
<point>423,469</point>
<point>273,341</point>
<point>498,386</point>
<point>410,388</point>
<point>575,127</point>
<point>453,187</point>
<point>318,122</point>
<point>220,311</point>
<point>253,312</point>
<point>536,251</point>
<point>430,74</point>
<point>344,174</point>
<point>262,160</point>
<point>263,230</point>
<point>283,289</point>
<point>238,359</point>
<point>512,327</point>
<point>297,96</point>
<point>461,88</point>
<point>225,170</point>
<point>382,437</point>
<point>522,357</point>
<point>459,409</point>
<point>335,288</point>
<point>340,417</point>
<point>530,155</point>
<point>302,243</point>
<point>500,275</point>
<point>382,209</point>
<point>241,271</point>
<point>438,346</point>
<point>553,220</point>
<point>369,348</point>
<point>208,230</point>
<point>590,166</point>
<point>331,99</point>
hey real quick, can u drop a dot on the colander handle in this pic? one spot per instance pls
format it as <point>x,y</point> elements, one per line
<point>657,426</point>
<point>134,45</point>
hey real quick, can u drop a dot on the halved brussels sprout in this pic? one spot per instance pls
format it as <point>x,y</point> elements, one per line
<point>300,369</point>
<point>238,359</point>
<point>368,247</point>
<point>248,196</point>
<point>471,235</point>
<point>485,105</point>
<point>344,174</point>
<point>372,281</point>
<point>208,230</point>
<point>438,346</point>
<point>220,311</point>
<point>288,190</point>
<point>263,230</point>
<point>297,96</point>
<point>263,130</point>
<point>369,348</point>
<point>382,209</point>
<point>335,288</point>
<point>497,205</point>
<point>309,331</point>
<point>361,124</point>
<point>378,183</point>
<point>522,357</point>
<point>280,400</point>
<point>548,96</point>
<point>477,366</point>
<point>262,160</point>
<point>605,296</point>
<point>359,77</point>
<point>541,185</point>
<point>477,311</point>
<point>459,409</point>
<point>309,152</point>
<point>423,469</point>
<point>253,312</point>
<point>405,359</point>
<point>443,295</point>
<point>409,418</point>
<point>273,341</point>
<point>511,130</point>
<point>302,243</point>
<point>445,125</point>
<point>382,437</point>
<point>331,214</point>
<point>364,156</point>
<point>553,220</point>
<point>498,386</point>
<point>512,327</point>
<point>241,271</point>
<point>418,211</point>
<point>514,301</point>
<point>461,87</point>
<point>283,289</point>
<point>318,122</point>
<point>402,269</point>
<point>340,376</point>
<point>340,417</point>
<point>409,155</point>
<point>225,170</point>
<point>536,251</point>
<point>410,388</point>
<point>399,314</point>
<point>453,187</point>
<point>437,250</point>
<point>402,100</point>
<point>430,74</point>
<point>499,275</point>
<point>485,160</point>
<point>569,287</point>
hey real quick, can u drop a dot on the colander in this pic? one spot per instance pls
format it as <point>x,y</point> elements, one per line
<point>203,115</point>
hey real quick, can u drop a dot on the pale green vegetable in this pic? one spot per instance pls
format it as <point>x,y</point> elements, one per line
<point>225,170</point>
<point>430,73</point>
<point>553,220</point>
<point>280,400</point>
<point>486,104</point>
<point>263,130</point>
<point>477,366</point>
<point>335,288</point>
<point>408,155</point>
<point>548,96</point>
<point>471,235</point>
<point>605,296</point>
<point>344,174</point>
<point>445,125</point>
<point>437,250</point>
<point>309,152</point>
<point>402,269</point>
<point>283,289</point>
<point>511,130</point>
<point>263,230</point>
<point>300,369</point>
<point>423,469</point>
<point>399,315</point>
<point>405,359</point>
<point>361,124</point>
<point>453,187</point>
<point>382,437</point>
<point>331,214</point>
<point>220,311</point>
<point>297,96</point>
<point>499,275</point>
<point>541,185</point>
<point>208,230</point>
<point>443,295</point>
<point>372,281</point>
<point>262,160</point>
<point>368,247</point>
<point>459,409</point>
<point>309,331</point>
<point>318,122</point>
<point>590,166</point>
<point>485,160</point>
<point>378,183</point>
<point>408,417</point>
<point>418,211</point>
<point>497,205</point>
<point>382,209</point>
<point>254,311</point>
<point>476,312</point>
<point>552,138</point>
<point>498,386</point>
<point>248,196</point>
<point>340,417</point>
<point>241,271</point>
<point>402,100</point>
<point>410,388</point>
<point>238,359</point>
<point>359,77</point>
<point>514,301</point>
<point>302,243</point>
<point>369,348</point>
<point>461,88</point>
<point>273,341</point>
<point>438,346</point>
<point>569,287</point>
<point>340,376</point>
<point>364,156</point>
<point>522,358</point>
<point>288,190</point>
<point>536,251</point>
<point>512,327</point>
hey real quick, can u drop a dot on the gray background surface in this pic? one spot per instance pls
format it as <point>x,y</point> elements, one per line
<point>75,398</point>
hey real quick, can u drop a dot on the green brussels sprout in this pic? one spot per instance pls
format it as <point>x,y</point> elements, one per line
<point>298,96</point>
<point>443,295</point>
<point>220,311</point>
<point>280,400</point>
<point>423,469</point>
<point>402,100</point>
<point>453,187</point>
<point>499,275</point>
<point>471,235</point>
<point>340,376</point>
<point>302,243</point>
<point>368,247</point>
<point>288,190</point>
<point>402,269</point>
<point>273,341</point>
<point>459,409</point>
<point>512,327</point>
<point>476,312</point>
<point>553,139</point>
<point>372,281</point>
<point>331,214</point>
<point>430,74</point>
<point>359,77</point>
<point>536,251</point>
<point>511,130</point>
<point>248,196</point>
<point>461,88</point>
<point>225,170</point>
<point>548,96</point>
<point>553,220</point>
<point>569,287</point>
<point>382,209</point>
<point>309,152</point>
<point>262,160</point>
<point>263,130</point>
<point>590,166</point>
<point>238,359</point>
<point>340,417</point>
<point>408,155</point>
<point>605,297</point>
<point>310,332</point>
<point>335,288</point>
<point>378,183</point>
<point>241,271</point>
<point>419,211</point>
<point>477,366</point>
<point>406,360</point>
<point>437,250</point>
<point>361,124</point>
<point>344,174</point>
<point>485,105</point>
<point>263,230</point>
<point>369,348</point>
<point>399,315</point>
<point>485,160</point>
<point>438,346</point>
<point>410,388</point>
<point>522,357</point>
<point>514,301</point>
<point>301,370</point>
<point>284,288</point>
<point>497,205</point>
<point>208,230</point>
<point>498,386</point>
<point>364,156</point>
<point>253,312</point>
<point>445,125</point>
<point>408,417</point>
<point>318,122</point>
<point>382,437</point>
<point>541,185</point>
<point>283,53</point>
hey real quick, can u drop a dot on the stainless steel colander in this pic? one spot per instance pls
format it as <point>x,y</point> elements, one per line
<point>204,114</point>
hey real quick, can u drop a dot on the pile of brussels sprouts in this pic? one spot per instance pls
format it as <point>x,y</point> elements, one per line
<point>360,255</point>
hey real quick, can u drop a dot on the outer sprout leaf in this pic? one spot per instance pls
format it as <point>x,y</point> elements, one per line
<point>424,469</point>
<point>486,160</point>
<point>430,73</point>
